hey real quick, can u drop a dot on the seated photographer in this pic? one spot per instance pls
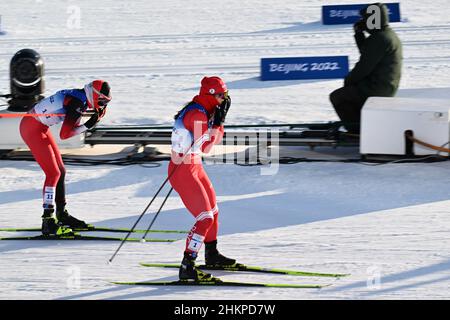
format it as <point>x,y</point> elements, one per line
<point>378,71</point>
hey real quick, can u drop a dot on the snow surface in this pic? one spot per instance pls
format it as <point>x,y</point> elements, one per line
<point>388,226</point>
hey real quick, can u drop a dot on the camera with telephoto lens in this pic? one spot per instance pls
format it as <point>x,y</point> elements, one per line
<point>26,80</point>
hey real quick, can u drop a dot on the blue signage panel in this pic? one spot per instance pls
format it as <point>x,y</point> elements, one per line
<point>334,67</point>
<point>349,13</point>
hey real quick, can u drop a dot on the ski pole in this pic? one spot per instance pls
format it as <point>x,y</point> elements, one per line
<point>139,219</point>
<point>150,203</point>
<point>156,215</point>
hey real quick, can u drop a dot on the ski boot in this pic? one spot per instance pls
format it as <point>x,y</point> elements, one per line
<point>188,271</point>
<point>214,258</point>
<point>50,226</point>
<point>65,219</point>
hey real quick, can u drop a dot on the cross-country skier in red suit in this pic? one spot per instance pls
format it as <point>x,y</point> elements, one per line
<point>198,126</point>
<point>64,106</point>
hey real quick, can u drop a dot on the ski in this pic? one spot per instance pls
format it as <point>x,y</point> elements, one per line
<point>94,229</point>
<point>81,237</point>
<point>244,268</point>
<point>217,282</point>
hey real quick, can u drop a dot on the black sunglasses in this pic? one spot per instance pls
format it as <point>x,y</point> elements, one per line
<point>222,95</point>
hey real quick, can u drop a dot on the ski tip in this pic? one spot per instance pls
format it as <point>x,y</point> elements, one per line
<point>221,283</point>
<point>144,283</point>
<point>343,275</point>
<point>315,274</point>
<point>336,275</point>
<point>169,231</point>
<point>160,265</point>
<point>296,286</point>
<point>153,240</point>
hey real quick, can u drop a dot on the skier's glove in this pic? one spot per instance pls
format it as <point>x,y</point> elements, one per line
<point>101,112</point>
<point>92,121</point>
<point>359,26</point>
<point>221,112</point>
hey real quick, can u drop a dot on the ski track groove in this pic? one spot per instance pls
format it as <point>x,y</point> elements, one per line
<point>208,36</point>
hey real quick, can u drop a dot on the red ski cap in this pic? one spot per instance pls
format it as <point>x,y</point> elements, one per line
<point>212,85</point>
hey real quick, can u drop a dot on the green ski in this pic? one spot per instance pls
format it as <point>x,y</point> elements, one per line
<point>217,282</point>
<point>81,237</point>
<point>94,229</point>
<point>244,268</point>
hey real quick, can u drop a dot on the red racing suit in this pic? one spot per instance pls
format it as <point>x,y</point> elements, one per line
<point>193,133</point>
<point>64,106</point>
